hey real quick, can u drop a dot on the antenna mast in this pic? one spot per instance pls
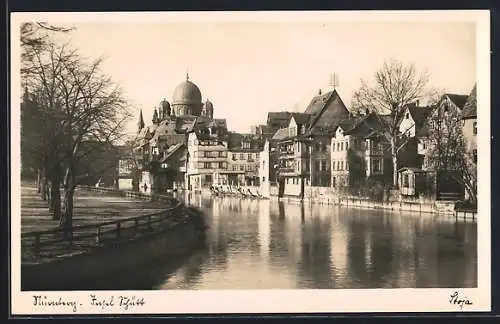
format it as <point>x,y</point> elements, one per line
<point>334,80</point>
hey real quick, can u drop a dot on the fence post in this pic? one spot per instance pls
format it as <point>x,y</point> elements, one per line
<point>37,244</point>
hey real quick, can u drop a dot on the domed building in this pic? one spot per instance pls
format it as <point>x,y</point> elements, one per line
<point>186,99</point>
<point>163,144</point>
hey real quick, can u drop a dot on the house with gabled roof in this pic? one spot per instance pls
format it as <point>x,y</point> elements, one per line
<point>414,131</point>
<point>359,151</point>
<point>304,155</point>
<point>469,118</point>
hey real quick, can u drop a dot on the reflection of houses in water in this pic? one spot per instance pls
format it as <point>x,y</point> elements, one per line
<point>455,245</point>
<point>241,223</point>
<point>426,253</point>
<point>338,250</point>
<point>369,239</point>
<point>278,249</point>
<point>217,235</point>
<point>315,266</point>
<point>264,229</point>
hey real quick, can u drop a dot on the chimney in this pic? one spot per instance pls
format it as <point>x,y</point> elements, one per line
<point>417,103</point>
<point>319,92</point>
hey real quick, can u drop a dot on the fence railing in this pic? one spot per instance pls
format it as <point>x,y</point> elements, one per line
<point>132,194</point>
<point>52,242</point>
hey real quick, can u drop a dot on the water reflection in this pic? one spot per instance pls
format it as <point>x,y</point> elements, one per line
<point>254,244</point>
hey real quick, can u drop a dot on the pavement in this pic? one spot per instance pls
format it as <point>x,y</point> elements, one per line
<point>89,208</point>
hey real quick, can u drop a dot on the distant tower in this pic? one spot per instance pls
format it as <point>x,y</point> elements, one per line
<point>140,124</point>
<point>208,110</point>
<point>165,107</point>
<point>155,117</point>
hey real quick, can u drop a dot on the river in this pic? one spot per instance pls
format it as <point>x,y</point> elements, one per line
<point>266,244</point>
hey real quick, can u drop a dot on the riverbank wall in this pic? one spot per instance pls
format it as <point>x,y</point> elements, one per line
<point>103,266</point>
<point>327,196</point>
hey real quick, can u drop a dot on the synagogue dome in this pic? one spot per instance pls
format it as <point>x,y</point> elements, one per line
<point>186,93</point>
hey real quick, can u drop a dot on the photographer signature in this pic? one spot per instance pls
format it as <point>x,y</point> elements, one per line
<point>460,301</point>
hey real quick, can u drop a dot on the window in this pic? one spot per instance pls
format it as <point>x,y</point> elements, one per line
<point>474,154</point>
<point>474,130</point>
<point>222,165</point>
<point>242,156</point>
<point>346,146</point>
<point>246,145</point>
<point>333,147</point>
<point>342,146</point>
<point>407,116</point>
<point>206,165</point>
<point>341,165</point>
<point>338,146</point>
<point>323,165</point>
<point>263,179</point>
<point>406,181</point>
<point>242,168</point>
<point>333,182</point>
<point>376,167</point>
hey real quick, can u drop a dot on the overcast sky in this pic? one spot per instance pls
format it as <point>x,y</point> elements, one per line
<point>250,68</point>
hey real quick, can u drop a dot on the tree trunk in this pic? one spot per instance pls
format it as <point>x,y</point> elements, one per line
<point>45,188</point>
<point>66,219</point>
<point>38,181</point>
<point>394,156</point>
<point>55,193</point>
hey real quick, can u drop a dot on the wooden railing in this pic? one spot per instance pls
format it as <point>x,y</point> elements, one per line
<point>132,194</point>
<point>50,243</point>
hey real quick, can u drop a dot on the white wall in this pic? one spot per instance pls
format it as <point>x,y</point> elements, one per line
<point>407,125</point>
<point>125,184</point>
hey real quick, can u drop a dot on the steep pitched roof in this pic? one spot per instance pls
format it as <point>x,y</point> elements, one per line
<point>457,99</point>
<point>278,118</point>
<point>470,107</point>
<point>280,134</point>
<point>171,151</point>
<point>301,118</point>
<point>327,110</point>
<point>367,126</point>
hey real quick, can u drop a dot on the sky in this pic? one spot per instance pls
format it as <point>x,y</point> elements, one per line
<point>248,68</point>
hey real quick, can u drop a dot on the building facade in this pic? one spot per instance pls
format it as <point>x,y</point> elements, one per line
<point>469,123</point>
<point>161,149</point>
<point>359,152</point>
<point>243,159</point>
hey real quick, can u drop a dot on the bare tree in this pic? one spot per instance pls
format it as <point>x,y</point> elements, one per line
<point>396,85</point>
<point>83,113</point>
<point>36,37</point>
<point>94,110</point>
<point>447,149</point>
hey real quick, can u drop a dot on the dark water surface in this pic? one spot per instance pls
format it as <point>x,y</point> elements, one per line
<point>266,244</point>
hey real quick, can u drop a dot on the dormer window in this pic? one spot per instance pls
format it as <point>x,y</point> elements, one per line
<point>407,116</point>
